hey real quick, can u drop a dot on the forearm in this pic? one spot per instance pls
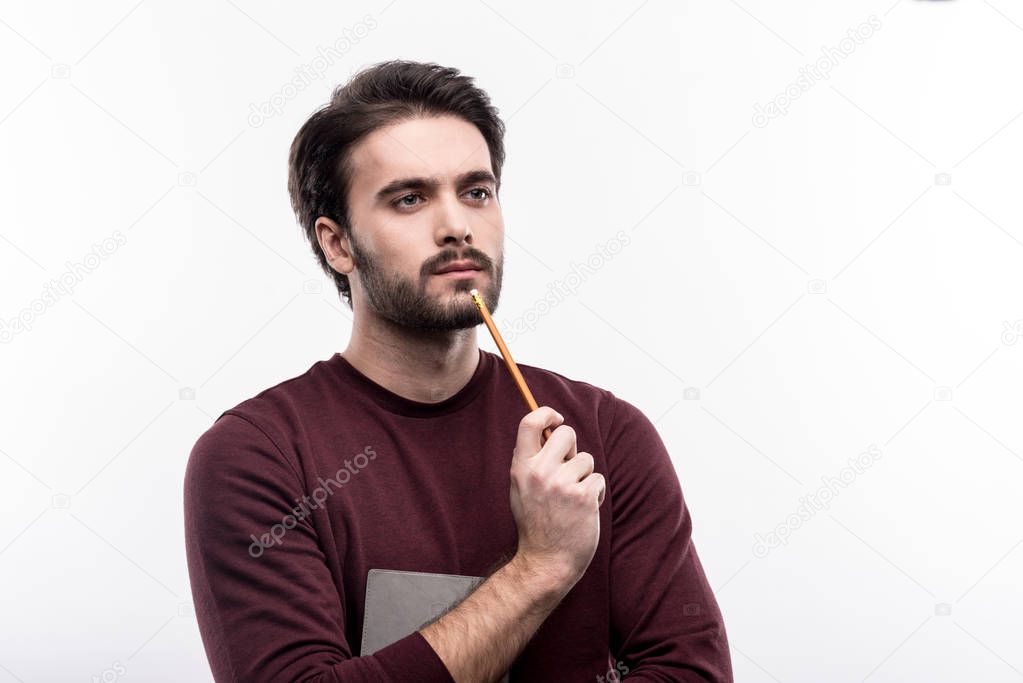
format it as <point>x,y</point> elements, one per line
<point>480,638</point>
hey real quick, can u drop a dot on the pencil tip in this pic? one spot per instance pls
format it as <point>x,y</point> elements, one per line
<point>474,291</point>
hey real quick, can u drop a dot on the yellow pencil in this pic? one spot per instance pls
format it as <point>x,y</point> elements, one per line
<point>508,360</point>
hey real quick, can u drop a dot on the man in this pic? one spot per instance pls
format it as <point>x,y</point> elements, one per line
<point>412,451</point>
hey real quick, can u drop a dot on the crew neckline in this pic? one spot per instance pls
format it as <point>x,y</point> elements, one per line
<point>400,405</point>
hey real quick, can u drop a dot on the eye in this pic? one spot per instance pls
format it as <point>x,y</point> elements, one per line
<point>401,203</point>
<point>483,190</point>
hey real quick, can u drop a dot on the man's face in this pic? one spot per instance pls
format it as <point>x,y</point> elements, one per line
<point>423,196</point>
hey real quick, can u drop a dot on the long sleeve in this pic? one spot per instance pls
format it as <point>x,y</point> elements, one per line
<point>275,613</point>
<point>665,620</point>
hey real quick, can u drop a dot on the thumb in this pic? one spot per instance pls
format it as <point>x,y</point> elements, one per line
<point>528,442</point>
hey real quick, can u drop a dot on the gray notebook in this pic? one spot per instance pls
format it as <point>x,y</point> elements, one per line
<point>399,603</point>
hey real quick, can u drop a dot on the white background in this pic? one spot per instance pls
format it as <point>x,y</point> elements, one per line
<point>846,276</point>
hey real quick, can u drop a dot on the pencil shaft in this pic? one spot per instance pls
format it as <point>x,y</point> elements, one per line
<point>516,374</point>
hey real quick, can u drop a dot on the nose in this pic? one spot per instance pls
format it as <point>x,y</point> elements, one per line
<point>453,223</point>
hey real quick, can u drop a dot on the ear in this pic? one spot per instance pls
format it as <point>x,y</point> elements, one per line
<point>334,245</point>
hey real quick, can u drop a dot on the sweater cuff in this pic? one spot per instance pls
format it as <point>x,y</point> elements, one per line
<point>412,659</point>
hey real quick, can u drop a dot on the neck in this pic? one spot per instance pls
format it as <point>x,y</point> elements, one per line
<point>422,365</point>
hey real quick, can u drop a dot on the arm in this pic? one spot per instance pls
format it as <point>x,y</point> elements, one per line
<point>665,621</point>
<point>277,616</point>
<point>481,637</point>
<point>555,496</point>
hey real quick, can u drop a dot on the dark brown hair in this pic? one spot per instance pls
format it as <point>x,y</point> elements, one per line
<point>319,163</point>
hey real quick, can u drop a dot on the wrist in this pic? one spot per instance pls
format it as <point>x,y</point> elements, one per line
<point>545,583</point>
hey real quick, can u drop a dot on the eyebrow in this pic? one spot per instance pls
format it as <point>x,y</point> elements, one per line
<point>479,175</point>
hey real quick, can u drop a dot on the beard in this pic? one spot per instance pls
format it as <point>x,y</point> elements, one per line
<point>406,302</point>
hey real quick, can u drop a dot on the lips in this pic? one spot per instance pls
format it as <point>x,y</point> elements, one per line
<point>459,265</point>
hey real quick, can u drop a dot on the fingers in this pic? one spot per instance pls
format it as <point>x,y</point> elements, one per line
<point>597,486</point>
<point>558,452</point>
<point>559,448</point>
<point>527,442</point>
<point>580,470</point>
<point>579,467</point>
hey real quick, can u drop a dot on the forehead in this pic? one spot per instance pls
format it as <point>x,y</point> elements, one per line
<point>442,146</point>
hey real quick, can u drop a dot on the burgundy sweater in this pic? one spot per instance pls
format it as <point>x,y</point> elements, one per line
<point>292,496</point>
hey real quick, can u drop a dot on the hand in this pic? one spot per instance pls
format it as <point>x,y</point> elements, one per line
<point>555,497</point>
